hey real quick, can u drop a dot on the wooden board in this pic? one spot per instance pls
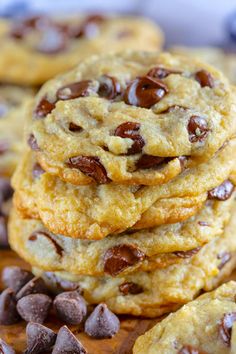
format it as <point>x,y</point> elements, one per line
<point>122,343</point>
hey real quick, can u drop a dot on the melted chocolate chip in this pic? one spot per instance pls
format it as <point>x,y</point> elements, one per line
<point>130,130</point>
<point>34,307</point>
<point>5,348</point>
<point>8,312</point>
<point>75,128</point>
<point>66,342</point>
<point>204,78</point>
<point>145,92</point>
<point>22,27</point>
<point>149,161</point>
<point>70,307</point>
<point>74,90</point>
<point>32,142</point>
<point>130,288</point>
<point>90,166</point>
<point>109,87</point>
<point>120,257</point>
<point>43,108</point>
<point>37,234</point>
<point>34,286</point>
<point>225,327</point>
<point>188,349</point>
<point>161,73</point>
<point>222,192</point>
<point>37,170</point>
<point>15,277</point>
<point>52,41</point>
<point>40,339</point>
<point>102,323</point>
<point>187,254</point>
<point>88,29</point>
<point>203,223</point>
<point>6,190</point>
<point>198,129</point>
<point>225,257</point>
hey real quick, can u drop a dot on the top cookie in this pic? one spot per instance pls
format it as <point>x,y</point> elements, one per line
<point>36,49</point>
<point>127,117</point>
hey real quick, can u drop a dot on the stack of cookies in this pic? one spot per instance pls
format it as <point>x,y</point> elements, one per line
<point>127,190</point>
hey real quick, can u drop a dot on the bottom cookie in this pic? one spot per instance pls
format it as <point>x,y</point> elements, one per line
<point>157,292</point>
<point>205,325</point>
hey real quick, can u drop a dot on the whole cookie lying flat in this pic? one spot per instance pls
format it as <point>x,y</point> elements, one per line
<point>95,211</point>
<point>205,325</point>
<point>36,49</point>
<point>130,118</point>
<point>163,290</point>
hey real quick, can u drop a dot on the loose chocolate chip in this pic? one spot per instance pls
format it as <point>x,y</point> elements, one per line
<point>117,258</point>
<point>130,130</point>
<point>37,170</point>
<point>187,254</point>
<point>149,161</point>
<point>43,108</point>
<point>130,288</point>
<point>32,142</point>
<point>145,92</point>
<point>3,231</point>
<point>34,286</point>
<point>225,257</point>
<point>34,307</point>
<point>198,129</point>
<point>60,284</point>
<point>70,307</point>
<point>188,349</point>
<point>222,192</point>
<point>5,348</point>
<point>37,234</point>
<point>8,312</point>
<point>75,128</point>
<point>225,327</point>
<point>109,87</point>
<point>15,277</point>
<point>102,323</point>
<point>52,41</point>
<point>6,190</point>
<point>40,339</point>
<point>74,90</point>
<point>161,73</point>
<point>204,78</point>
<point>90,166</point>
<point>67,343</point>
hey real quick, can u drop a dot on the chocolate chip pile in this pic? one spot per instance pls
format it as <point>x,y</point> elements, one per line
<point>28,298</point>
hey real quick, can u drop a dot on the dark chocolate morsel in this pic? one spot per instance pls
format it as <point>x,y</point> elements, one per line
<point>67,343</point>
<point>74,90</point>
<point>225,327</point>
<point>34,286</point>
<point>8,311</point>
<point>40,339</point>
<point>130,288</point>
<point>222,192</point>
<point>15,277</point>
<point>204,78</point>
<point>5,348</point>
<point>34,307</point>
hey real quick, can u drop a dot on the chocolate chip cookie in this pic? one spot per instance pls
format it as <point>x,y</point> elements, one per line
<point>205,325</point>
<point>132,118</point>
<point>36,49</point>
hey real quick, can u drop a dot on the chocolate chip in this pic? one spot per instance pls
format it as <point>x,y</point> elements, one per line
<point>187,254</point>
<point>43,108</point>
<point>40,339</point>
<point>32,142</point>
<point>70,307</point>
<point>22,27</point>
<point>225,257</point>
<point>8,312</point>
<point>188,349</point>
<point>183,162</point>
<point>3,231</point>
<point>109,87</point>
<point>130,288</point>
<point>37,234</point>
<point>52,41</point>
<point>225,327</point>
<point>149,161</point>
<point>198,129</point>
<point>62,284</point>
<point>37,170</point>
<point>118,258</point>
<point>5,348</point>
<point>74,90</point>
<point>204,78</point>
<point>34,307</point>
<point>161,73</point>
<point>90,166</point>
<point>222,192</point>
<point>145,92</point>
<point>203,223</point>
<point>34,286</point>
<point>130,130</point>
<point>75,128</point>
<point>6,190</point>
<point>15,277</point>
<point>102,323</point>
<point>88,29</point>
<point>67,343</point>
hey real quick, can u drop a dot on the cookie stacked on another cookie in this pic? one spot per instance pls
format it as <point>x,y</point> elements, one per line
<point>128,188</point>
